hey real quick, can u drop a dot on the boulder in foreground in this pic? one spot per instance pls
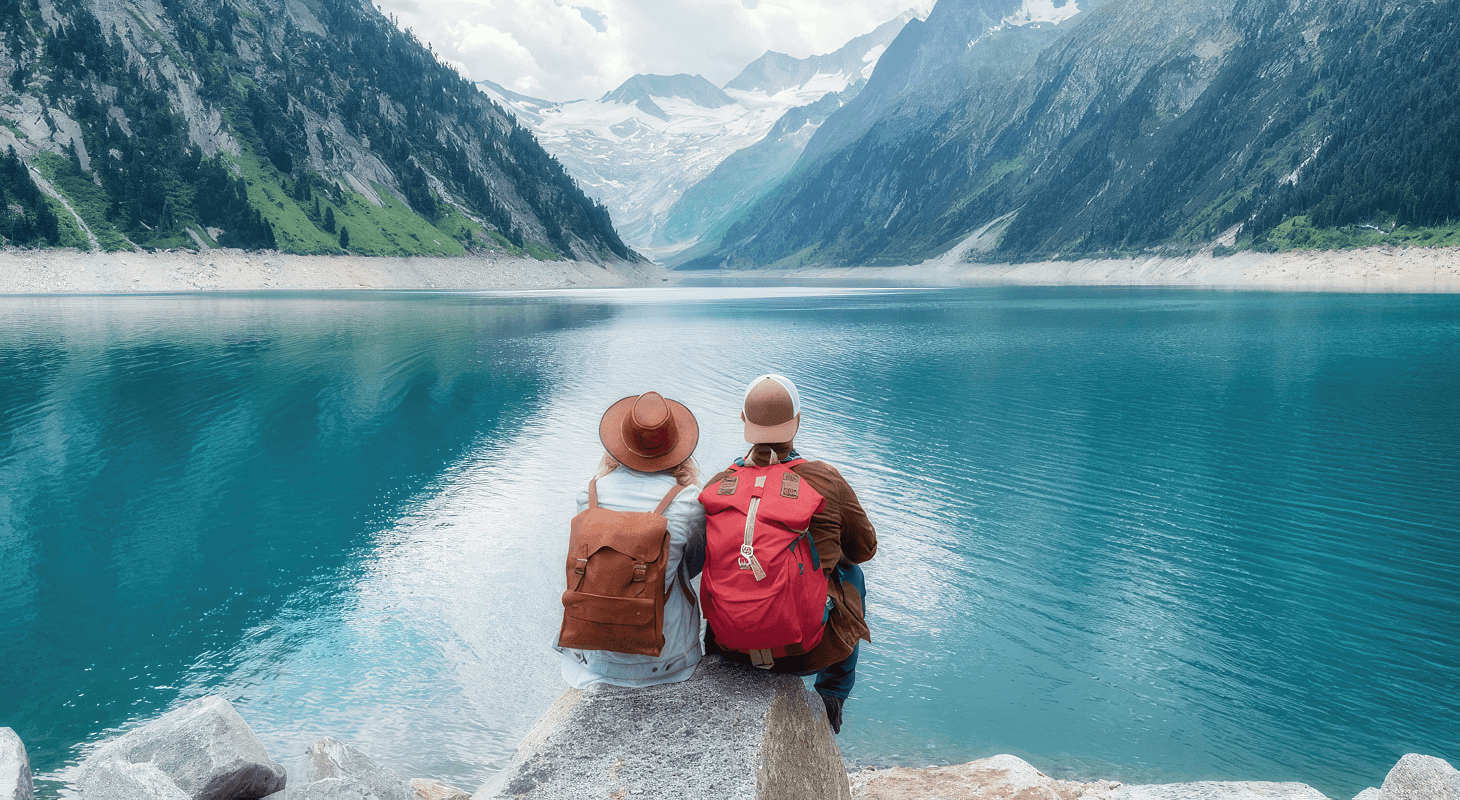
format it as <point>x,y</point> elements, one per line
<point>1218,790</point>
<point>1417,777</point>
<point>204,750</point>
<point>15,783</point>
<point>427,789</point>
<point>729,732</point>
<point>333,770</point>
<point>1001,777</point>
<point>1004,776</point>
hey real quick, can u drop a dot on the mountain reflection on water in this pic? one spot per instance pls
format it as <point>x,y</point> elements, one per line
<point>1136,534</point>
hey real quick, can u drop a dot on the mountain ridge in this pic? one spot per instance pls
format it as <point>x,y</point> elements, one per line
<point>1137,127</point>
<point>695,88</point>
<point>640,147</point>
<point>311,126</point>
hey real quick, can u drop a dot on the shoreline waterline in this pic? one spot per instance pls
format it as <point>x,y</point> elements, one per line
<point>1398,270</point>
<point>70,272</point>
<point>1415,270</point>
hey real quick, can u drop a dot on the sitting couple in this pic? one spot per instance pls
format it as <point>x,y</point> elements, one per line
<point>776,541</point>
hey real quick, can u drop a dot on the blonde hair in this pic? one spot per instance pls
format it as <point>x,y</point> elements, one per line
<point>686,472</point>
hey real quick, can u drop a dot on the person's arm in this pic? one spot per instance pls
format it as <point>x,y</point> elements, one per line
<point>859,538</point>
<point>687,525</point>
<point>686,536</point>
<point>841,528</point>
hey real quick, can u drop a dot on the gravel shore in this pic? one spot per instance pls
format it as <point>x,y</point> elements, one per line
<point>1375,269</point>
<point>72,272</point>
<point>1380,269</point>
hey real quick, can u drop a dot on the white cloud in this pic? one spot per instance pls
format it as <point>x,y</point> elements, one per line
<point>569,49</point>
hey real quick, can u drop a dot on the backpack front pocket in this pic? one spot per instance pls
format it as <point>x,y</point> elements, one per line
<point>620,624</point>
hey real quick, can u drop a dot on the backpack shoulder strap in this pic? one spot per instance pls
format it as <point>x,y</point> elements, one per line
<point>683,583</point>
<point>593,490</point>
<point>668,498</point>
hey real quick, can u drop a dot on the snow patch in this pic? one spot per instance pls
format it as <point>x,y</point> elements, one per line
<point>869,61</point>
<point>1292,177</point>
<point>1042,11</point>
<point>1032,12</point>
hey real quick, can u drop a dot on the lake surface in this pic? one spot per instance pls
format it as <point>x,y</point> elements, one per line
<point>1147,535</point>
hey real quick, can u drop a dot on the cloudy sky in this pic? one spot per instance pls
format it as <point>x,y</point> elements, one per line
<point>571,49</point>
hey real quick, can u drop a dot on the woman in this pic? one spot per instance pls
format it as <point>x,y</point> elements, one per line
<point>648,441</point>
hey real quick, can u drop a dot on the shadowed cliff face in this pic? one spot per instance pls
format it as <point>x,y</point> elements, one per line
<point>1131,125</point>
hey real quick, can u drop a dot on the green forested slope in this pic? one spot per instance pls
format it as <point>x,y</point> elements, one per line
<point>1153,127</point>
<point>310,127</point>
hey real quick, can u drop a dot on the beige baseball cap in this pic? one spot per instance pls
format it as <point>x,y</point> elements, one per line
<point>772,410</point>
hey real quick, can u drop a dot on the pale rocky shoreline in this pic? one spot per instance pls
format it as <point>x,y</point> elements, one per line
<point>1374,269</point>
<point>1377,269</point>
<point>73,272</point>
<point>615,743</point>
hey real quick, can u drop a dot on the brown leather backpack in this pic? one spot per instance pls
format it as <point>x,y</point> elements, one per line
<point>616,566</point>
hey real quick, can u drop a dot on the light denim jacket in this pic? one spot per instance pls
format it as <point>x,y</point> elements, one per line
<point>625,489</point>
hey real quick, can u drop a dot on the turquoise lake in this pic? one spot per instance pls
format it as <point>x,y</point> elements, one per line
<point>1145,535</point>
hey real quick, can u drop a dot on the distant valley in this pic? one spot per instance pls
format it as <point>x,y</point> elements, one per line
<point>1024,130</point>
<point>671,155</point>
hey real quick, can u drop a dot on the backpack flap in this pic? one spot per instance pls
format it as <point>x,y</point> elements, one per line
<point>637,534</point>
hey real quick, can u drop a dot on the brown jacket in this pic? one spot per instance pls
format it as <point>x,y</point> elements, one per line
<point>841,530</point>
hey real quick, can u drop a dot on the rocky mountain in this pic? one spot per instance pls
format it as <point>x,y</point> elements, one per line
<point>698,219</point>
<point>641,90</point>
<point>310,126</point>
<point>1129,126</point>
<point>775,72</point>
<point>641,147</point>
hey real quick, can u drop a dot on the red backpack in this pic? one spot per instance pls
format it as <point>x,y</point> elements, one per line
<point>762,588</point>
<point>616,566</point>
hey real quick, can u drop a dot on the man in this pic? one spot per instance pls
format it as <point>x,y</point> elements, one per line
<point>840,537</point>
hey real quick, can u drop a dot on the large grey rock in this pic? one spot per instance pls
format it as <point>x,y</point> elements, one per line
<point>204,749</point>
<point>1369,794</point>
<point>15,781</point>
<point>1418,777</point>
<point>435,790</point>
<point>124,780</point>
<point>1000,777</point>
<point>333,770</point>
<point>1218,790</point>
<point>728,732</point>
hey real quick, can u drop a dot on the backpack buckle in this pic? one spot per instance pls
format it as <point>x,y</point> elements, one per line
<point>640,571</point>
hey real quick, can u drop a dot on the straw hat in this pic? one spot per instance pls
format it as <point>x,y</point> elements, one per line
<point>648,432</point>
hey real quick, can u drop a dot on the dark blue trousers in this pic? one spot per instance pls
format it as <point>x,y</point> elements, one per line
<point>837,680</point>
